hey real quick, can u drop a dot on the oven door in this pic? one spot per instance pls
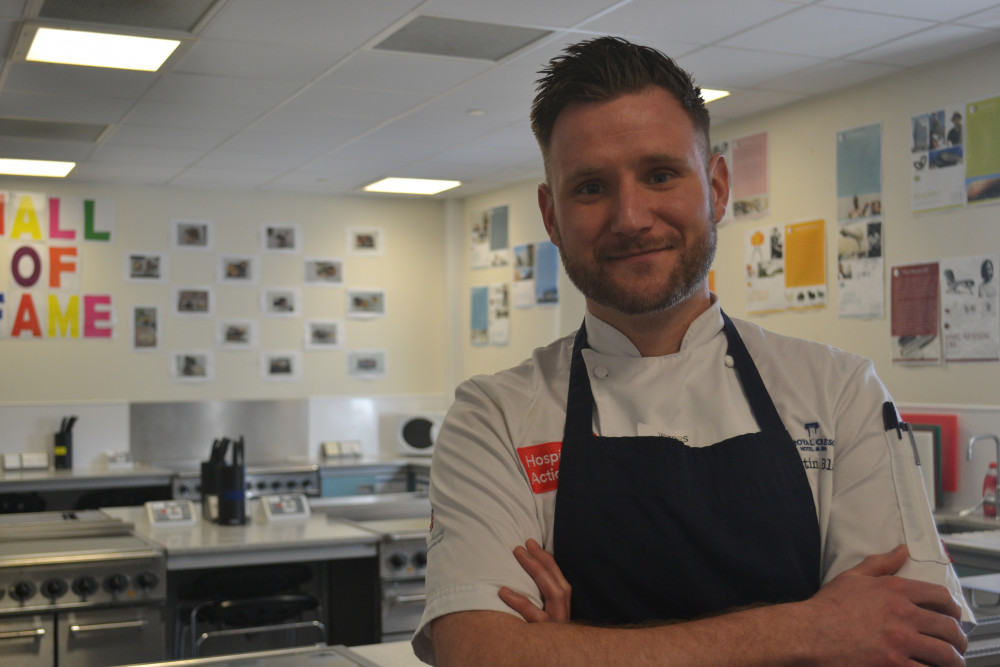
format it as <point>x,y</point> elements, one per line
<point>28,641</point>
<point>113,636</point>
<point>402,607</point>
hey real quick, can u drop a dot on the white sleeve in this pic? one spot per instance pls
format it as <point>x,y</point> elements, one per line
<point>878,494</point>
<point>482,508</point>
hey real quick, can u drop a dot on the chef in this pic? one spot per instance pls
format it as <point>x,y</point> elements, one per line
<point>670,485</point>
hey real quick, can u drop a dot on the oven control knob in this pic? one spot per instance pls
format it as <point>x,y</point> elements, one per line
<point>184,490</point>
<point>116,583</point>
<point>397,560</point>
<point>85,586</point>
<point>420,559</point>
<point>54,588</point>
<point>307,484</point>
<point>147,580</point>
<point>22,590</point>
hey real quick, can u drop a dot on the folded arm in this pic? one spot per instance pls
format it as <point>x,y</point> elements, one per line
<point>864,616</point>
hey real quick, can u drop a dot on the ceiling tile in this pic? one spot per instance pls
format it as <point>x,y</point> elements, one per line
<point>929,46</point>
<point>167,157</point>
<point>124,173</point>
<point>353,101</point>
<point>43,149</point>
<point>199,177</point>
<point>44,78</point>
<point>408,73</point>
<point>824,32</point>
<point>932,10</point>
<point>989,18</point>
<point>831,75</point>
<point>257,60</point>
<point>685,21</point>
<point>519,12</point>
<point>240,160</point>
<point>128,134</point>
<point>203,117</point>
<point>721,67</point>
<point>220,90</point>
<point>750,102</point>
<point>63,107</point>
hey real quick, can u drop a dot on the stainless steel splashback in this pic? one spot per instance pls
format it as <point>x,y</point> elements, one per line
<point>182,432</point>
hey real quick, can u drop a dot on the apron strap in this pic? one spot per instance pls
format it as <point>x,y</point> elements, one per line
<point>580,398</point>
<point>757,395</point>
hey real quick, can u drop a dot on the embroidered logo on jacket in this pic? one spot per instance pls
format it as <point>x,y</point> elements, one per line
<point>815,450</point>
<point>541,463</point>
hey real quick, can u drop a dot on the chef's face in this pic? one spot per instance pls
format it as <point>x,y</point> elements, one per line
<point>632,200</point>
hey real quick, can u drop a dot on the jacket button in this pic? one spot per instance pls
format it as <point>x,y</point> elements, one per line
<point>728,361</point>
<point>600,372</point>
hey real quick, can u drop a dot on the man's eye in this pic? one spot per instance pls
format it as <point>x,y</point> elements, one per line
<point>660,177</point>
<point>590,189</point>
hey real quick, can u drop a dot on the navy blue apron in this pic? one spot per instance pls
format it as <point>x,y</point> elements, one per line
<point>649,529</point>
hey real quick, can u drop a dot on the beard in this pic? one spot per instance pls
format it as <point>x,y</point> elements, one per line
<point>598,284</point>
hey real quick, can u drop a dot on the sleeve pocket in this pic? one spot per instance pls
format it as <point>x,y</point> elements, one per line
<point>911,498</point>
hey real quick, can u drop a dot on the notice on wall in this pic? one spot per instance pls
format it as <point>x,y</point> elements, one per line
<point>970,324</point>
<point>499,314</point>
<point>982,169</point>
<point>860,269</point>
<point>914,320</point>
<point>536,278</point>
<point>489,244</point>
<point>479,309</point>
<point>749,192</point>
<point>786,267</point>
<point>937,159</point>
<point>859,173</point>
<point>765,269</point>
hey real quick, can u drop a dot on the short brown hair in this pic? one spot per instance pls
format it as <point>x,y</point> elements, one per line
<point>603,69</point>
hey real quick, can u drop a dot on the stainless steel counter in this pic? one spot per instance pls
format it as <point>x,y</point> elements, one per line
<point>95,477</point>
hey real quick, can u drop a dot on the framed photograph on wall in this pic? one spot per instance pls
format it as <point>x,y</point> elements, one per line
<point>366,364</point>
<point>190,234</point>
<point>145,328</point>
<point>238,269</point>
<point>146,267</point>
<point>192,366</point>
<point>280,237</point>
<point>281,301</point>
<point>193,301</point>
<point>323,271</point>
<point>365,241</point>
<point>324,334</point>
<point>365,303</point>
<point>281,365</point>
<point>236,334</point>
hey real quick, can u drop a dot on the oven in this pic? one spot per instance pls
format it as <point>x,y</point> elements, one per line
<point>78,589</point>
<point>402,568</point>
<point>260,480</point>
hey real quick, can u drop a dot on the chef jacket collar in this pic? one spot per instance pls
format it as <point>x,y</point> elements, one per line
<point>606,339</point>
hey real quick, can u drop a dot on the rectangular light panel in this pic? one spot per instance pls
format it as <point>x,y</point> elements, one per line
<point>50,168</point>
<point>96,49</point>
<point>411,186</point>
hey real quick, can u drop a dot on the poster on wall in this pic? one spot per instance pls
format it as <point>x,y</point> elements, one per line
<point>323,272</point>
<point>236,334</point>
<point>281,301</point>
<point>193,301</point>
<point>749,172</point>
<point>238,269</point>
<point>489,244</point>
<point>366,364</point>
<point>281,365</point>
<point>191,234</point>
<point>937,159</point>
<point>764,253</point>
<point>859,173</point>
<point>805,265</point>
<point>982,168</point>
<point>366,241</point>
<point>499,314</point>
<point>914,322</point>
<point>146,267</point>
<point>860,269</point>
<point>365,304</point>
<point>479,318</point>
<point>546,273</point>
<point>145,328</point>
<point>280,237</point>
<point>970,326</point>
<point>324,334</point>
<point>192,366</point>
<point>725,149</point>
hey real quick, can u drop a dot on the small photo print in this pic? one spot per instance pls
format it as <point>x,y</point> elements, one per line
<point>191,234</point>
<point>192,366</point>
<point>365,241</point>
<point>238,269</point>
<point>281,301</point>
<point>145,328</point>
<point>145,267</point>
<point>281,365</point>
<point>365,303</point>
<point>324,334</point>
<point>278,237</point>
<point>323,271</point>
<point>237,334</point>
<point>366,364</point>
<point>196,301</point>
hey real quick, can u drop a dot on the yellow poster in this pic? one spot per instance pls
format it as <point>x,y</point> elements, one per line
<point>805,265</point>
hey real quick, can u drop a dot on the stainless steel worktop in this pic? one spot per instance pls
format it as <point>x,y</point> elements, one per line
<point>206,544</point>
<point>94,477</point>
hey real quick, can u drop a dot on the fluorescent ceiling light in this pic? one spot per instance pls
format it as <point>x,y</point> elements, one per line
<point>708,94</point>
<point>35,167</point>
<point>411,186</point>
<point>98,49</point>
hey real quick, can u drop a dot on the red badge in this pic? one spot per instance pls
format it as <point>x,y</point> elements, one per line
<point>541,462</point>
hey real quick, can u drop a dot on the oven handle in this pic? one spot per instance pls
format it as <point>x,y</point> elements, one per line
<point>401,598</point>
<point>23,634</point>
<point>102,627</point>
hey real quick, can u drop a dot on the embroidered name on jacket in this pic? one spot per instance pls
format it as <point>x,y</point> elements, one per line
<point>541,463</point>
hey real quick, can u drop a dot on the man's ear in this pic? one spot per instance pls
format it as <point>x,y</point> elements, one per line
<point>546,204</point>
<point>718,175</point>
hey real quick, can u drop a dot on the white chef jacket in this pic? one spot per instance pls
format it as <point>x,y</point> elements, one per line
<point>493,467</point>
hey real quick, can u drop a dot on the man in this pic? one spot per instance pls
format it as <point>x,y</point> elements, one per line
<point>699,510</point>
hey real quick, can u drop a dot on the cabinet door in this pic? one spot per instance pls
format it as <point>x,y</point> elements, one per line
<point>28,641</point>
<point>122,635</point>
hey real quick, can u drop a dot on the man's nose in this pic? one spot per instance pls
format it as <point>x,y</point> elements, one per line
<point>632,214</point>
